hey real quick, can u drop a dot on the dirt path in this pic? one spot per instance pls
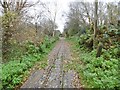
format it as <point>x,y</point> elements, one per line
<point>54,76</point>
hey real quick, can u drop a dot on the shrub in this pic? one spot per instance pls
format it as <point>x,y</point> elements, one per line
<point>101,72</point>
<point>14,71</point>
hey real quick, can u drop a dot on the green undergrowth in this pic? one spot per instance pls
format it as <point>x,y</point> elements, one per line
<point>14,71</point>
<point>101,72</point>
<point>0,75</point>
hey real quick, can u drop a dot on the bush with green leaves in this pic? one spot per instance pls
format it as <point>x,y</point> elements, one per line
<point>101,72</point>
<point>14,71</point>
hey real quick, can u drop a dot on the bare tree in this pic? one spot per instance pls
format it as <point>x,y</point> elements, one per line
<point>12,12</point>
<point>51,14</point>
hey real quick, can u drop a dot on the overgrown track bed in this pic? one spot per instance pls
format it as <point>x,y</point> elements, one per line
<point>54,75</point>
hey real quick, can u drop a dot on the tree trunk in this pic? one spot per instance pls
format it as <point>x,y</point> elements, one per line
<point>119,13</point>
<point>99,50</point>
<point>95,23</point>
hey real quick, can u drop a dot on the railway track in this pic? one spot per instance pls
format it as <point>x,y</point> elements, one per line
<point>49,69</point>
<point>54,75</point>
